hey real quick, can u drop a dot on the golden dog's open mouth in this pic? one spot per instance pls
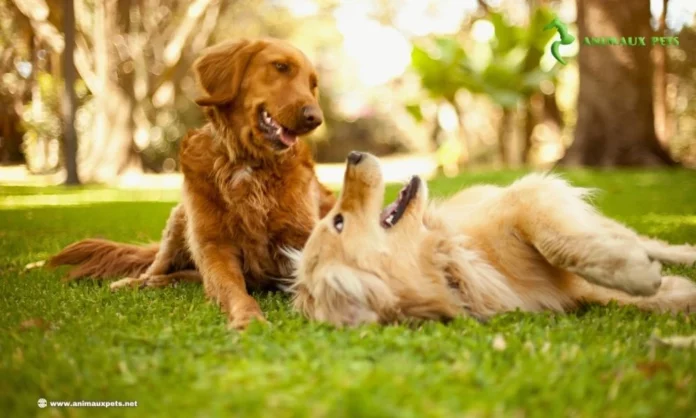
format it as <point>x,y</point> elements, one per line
<point>281,136</point>
<point>395,210</point>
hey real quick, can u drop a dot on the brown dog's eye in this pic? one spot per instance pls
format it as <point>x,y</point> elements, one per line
<point>281,67</point>
<point>338,222</point>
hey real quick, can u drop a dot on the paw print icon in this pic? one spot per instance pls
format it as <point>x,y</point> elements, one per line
<point>42,403</point>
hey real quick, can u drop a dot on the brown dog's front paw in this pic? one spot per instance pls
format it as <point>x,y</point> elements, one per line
<point>242,314</point>
<point>131,282</point>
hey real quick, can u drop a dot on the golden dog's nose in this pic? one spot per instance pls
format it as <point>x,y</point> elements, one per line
<point>355,157</point>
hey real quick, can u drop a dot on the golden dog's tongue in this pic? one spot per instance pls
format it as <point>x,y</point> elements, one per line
<point>287,138</point>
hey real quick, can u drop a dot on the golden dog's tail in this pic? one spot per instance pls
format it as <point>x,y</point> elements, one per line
<point>99,259</point>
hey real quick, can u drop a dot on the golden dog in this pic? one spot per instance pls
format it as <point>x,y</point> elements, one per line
<point>249,183</point>
<point>535,245</point>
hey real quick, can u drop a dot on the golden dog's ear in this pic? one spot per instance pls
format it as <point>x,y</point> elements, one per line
<point>220,70</point>
<point>344,296</point>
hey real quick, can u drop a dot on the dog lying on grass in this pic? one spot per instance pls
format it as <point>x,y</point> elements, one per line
<point>535,245</point>
<point>249,184</point>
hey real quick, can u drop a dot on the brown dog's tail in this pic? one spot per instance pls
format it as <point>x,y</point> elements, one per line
<point>97,258</point>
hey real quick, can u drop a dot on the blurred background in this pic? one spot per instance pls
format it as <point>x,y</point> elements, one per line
<point>434,86</point>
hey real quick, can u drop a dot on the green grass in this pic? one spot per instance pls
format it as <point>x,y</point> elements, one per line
<point>170,350</point>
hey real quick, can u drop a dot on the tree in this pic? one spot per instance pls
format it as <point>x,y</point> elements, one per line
<point>508,74</point>
<point>128,57</point>
<point>69,99</point>
<point>14,28</point>
<point>615,125</point>
<point>660,81</point>
<point>132,55</point>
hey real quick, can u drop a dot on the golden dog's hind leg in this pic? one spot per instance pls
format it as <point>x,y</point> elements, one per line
<point>571,236</point>
<point>668,253</point>
<point>616,263</point>
<point>172,254</point>
<point>677,294</point>
<point>656,249</point>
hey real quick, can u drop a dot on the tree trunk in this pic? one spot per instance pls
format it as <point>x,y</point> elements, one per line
<point>69,99</point>
<point>660,59</point>
<point>463,134</point>
<point>506,135</point>
<point>10,135</point>
<point>616,124</point>
<point>111,148</point>
<point>530,121</point>
<point>541,109</point>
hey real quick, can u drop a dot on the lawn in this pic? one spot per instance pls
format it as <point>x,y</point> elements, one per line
<point>170,351</point>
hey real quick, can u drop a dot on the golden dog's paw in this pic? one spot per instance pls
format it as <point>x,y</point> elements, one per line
<point>682,254</point>
<point>131,282</point>
<point>640,277</point>
<point>243,314</point>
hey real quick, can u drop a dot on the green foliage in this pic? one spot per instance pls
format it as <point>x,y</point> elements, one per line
<point>415,111</point>
<point>45,122</point>
<point>506,69</point>
<point>170,350</point>
<point>42,120</point>
<point>443,74</point>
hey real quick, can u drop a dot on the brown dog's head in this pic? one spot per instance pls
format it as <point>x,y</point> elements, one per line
<point>268,86</point>
<point>363,264</point>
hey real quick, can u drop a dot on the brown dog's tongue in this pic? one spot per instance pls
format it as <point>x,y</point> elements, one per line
<point>287,138</point>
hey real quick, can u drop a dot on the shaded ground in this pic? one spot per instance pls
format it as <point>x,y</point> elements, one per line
<point>170,351</point>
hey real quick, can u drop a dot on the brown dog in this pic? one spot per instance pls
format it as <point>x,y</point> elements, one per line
<point>249,184</point>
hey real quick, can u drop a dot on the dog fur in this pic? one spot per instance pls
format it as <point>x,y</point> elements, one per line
<point>249,185</point>
<point>536,245</point>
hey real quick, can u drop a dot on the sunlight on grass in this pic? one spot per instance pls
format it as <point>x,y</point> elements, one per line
<point>85,197</point>
<point>170,350</point>
<point>669,220</point>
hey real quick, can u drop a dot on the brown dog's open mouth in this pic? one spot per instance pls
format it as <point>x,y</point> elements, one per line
<point>274,131</point>
<point>395,210</point>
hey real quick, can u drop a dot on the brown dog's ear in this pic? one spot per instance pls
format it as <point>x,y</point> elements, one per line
<point>220,70</point>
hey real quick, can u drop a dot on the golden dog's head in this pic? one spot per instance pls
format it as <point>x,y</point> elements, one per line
<point>363,264</point>
<point>267,86</point>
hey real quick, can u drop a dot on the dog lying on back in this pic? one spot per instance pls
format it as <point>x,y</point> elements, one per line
<point>535,245</point>
<point>249,184</point>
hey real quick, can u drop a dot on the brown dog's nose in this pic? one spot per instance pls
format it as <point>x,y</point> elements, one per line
<point>311,117</point>
<point>355,157</point>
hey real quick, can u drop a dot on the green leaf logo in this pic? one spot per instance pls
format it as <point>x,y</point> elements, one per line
<point>566,38</point>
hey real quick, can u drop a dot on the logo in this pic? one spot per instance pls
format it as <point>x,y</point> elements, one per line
<point>631,41</point>
<point>42,403</point>
<point>566,38</point>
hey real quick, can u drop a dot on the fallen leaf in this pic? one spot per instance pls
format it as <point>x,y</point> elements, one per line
<point>650,368</point>
<point>33,323</point>
<point>127,375</point>
<point>35,264</point>
<point>615,386</point>
<point>683,383</point>
<point>499,343</point>
<point>18,356</point>
<point>677,341</point>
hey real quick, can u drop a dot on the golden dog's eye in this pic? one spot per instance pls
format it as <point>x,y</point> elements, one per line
<point>281,67</point>
<point>338,222</point>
